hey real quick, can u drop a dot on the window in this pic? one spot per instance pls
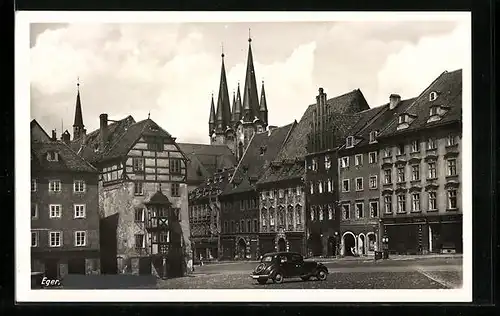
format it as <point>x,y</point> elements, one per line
<point>34,239</point>
<point>139,241</point>
<point>401,149</point>
<point>320,187</point>
<point>328,162</point>
<point>233,227</point>
<point>34,210</point>
<point>415,202</point>
<point>138,164</point>
<point>349,142</point>
<point>79,210</point>
<point>432,96</point>
<point>373,182</point>
<point>298,215</point>
<point>79,186</point>
<point>55,210</point>
<point>33,185</point>
<point>271,217</point>
<point>372,157</point>
<point>138,189</point>
<point>452,167</point>
<point>346,211</point>
<point>387,152</point>
<point>452,199</point>
<point>175,189</point>
<point>281,193</point>
<point>139,215</point>
<point>401,203</point>
<point>163,238</point>
<point>314,164</point>
<point>344,162</point>
<point>55,186</point>
<point>80,238</point>
<point>402,119</point>
<point>432,170</point>
<point>373,209</point>
<point>358,160</point>
<point>373,136</point>
<point>298,191</point>
<point>359,184</point>
<point>242,226</point>
<point>271,194</point>
<point>434,110</point>
<point>330,212</point>
<point>388,204</point>
<point>415,146</point>
<point>225,227</point>
<point>431,143</point>
<point>255,226</point>
<point>450,140</point>
<point>320,211</point>
<point>359,210</point>
<point>345,185</point>
<point>415,172</point>
<point>52,156</point>
<point>263,195</point>
<point>432,201</point>
<point>311,185</point>
<point>330,185</point>
<point>55,239</point>
<point>155,144</point>
<point>175,166</point>
<point>387,176</point>
<point>401,174</point>
<point>312,211</point>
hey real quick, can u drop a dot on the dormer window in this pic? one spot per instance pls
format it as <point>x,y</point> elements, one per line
<point>404,121</point>
<point>433,96</point>
<point>52,156</point>
<point>349,142</point>
<point>314,164</point>
<point>436,112</point>
<point>373,137</point>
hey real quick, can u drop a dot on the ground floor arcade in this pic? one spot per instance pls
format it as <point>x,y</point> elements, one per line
<point>359,238</point>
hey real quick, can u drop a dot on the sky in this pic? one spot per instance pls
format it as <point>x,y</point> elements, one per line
<point>171,70</point>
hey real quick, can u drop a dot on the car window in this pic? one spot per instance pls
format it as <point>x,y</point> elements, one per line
<point>296,258</point>
<point>267,259</point>
<point>283,259</point>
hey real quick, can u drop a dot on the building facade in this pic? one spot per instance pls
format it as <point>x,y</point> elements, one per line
<point>64,209</point>
<point>204,215</point>
<point>420,171</point>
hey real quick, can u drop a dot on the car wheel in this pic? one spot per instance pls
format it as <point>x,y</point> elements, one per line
<point>321,275</point>
<point>305,278</point>
<point>278,278</point>
<point>262,281</point>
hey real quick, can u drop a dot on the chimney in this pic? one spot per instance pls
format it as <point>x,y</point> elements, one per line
<point>54,135</point>
<point>103,130</point>
<point>271,129</point>
<point>65,137</point>
<point>394,100</point>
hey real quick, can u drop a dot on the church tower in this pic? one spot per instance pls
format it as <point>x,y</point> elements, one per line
<point>78,127</point>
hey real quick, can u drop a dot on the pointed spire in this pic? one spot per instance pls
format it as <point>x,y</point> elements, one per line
<point>237,105</point>
<point>223,102</point>
<point>211,120</point>
<point>78,126</point>
<point>263,105</point>
<point>250,95</point>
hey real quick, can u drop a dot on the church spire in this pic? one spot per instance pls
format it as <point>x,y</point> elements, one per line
<point>237,106</point>
<point>78,127</point>
<point>211,120</point>
<point>250,95</point>
<point>263,105</point>
<point>223,102</point>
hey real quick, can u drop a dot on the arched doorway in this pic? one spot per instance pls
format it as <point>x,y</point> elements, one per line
<point>362,245</point>
<point>372,242</point>
<point>281,245</point>
<point>332,247</point>
<point>242,247</point>
<point>349,244</point>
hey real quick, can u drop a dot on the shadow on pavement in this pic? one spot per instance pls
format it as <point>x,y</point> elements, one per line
<point>108,281</point>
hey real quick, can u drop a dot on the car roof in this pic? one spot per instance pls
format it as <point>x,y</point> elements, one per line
<point>282,253</point>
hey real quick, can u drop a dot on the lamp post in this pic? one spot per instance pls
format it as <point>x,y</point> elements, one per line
<point>385,247</point>
<point>337,243</point>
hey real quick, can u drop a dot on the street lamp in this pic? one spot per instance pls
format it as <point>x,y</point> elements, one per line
<point>385,247</point>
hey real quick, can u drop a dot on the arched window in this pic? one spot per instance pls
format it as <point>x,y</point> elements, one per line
<point>290,216</point>
<point>264,217</point>
<point>320,210</point>
<point>298,214</point>
<point>432,96</point>
<point>271,217</point>
<point>281,216</point>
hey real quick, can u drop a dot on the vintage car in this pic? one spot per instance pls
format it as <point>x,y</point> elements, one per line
<point>277,266</point>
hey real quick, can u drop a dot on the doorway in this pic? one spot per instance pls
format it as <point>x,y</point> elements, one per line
<point>281,245</point>
<point>372,242</point>
<point>76,266</point>
<point>349,244</point>
<point>242,247</point>
<point>361,245</point>
<point>332,247</point>
<point>51,269</point>
<point>144,266</point>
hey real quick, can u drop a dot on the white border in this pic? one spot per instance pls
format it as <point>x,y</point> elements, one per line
<point>22,153</point>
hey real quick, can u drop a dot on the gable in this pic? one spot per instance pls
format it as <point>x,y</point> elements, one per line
<point>38,133</point>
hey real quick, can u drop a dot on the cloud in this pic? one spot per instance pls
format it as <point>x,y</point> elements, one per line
<point>422,62</point>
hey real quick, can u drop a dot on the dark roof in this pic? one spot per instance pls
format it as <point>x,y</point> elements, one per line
<point>258,156</point>
<point>122,135</point>
<point>205,160</point>
<point>68,159</point>
<point>213,185</point>
<point>158,199</point>
<point>341,111</point>
<point>34,124</point>
<point>449,89</point>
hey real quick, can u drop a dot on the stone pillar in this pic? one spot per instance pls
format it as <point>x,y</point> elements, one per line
<point>430,239</point>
